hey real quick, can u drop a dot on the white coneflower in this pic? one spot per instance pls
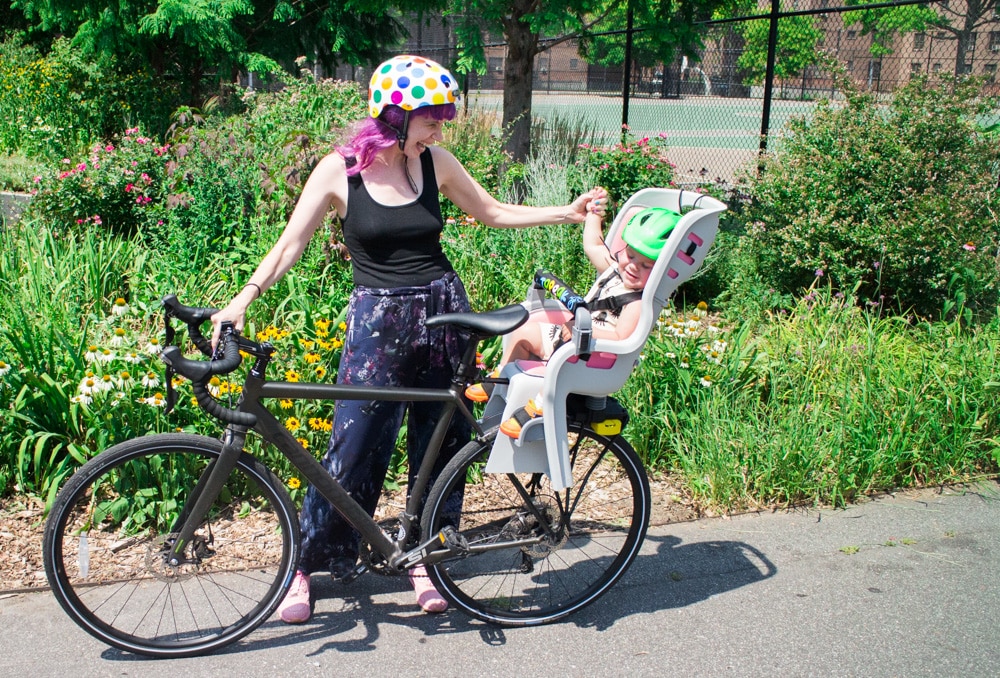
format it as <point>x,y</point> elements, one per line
<point>119,337</point>
<point>153,346</point>
<point>671,355</point>
<point>91,354</point>
<point>4,368</point>
<point>124,379</point>
<point>120,307</point>
<point>118,398</point>
<point>131,357</point>
<point>215,386</point>
<point>155,400</point>
<point>88,385</point>
<point>720,345</point>
<point>685,364</point>
<point>151,380</point>
<point>105,355</point>
<point>706,381</point>
<point>81,399</point>
<point>713,357</point>
<point>105,383</point>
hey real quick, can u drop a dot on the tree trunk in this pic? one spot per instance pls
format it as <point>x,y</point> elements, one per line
<point>522,46</point>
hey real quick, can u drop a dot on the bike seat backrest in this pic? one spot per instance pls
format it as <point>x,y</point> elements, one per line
<point>611,362</point>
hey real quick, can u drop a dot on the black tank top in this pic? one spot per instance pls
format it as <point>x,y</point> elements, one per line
<point>395,246</point>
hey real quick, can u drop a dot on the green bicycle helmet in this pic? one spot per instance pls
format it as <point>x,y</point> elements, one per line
<point>648,230</point>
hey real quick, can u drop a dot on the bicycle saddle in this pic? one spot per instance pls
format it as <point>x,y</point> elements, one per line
<point>487,324</point>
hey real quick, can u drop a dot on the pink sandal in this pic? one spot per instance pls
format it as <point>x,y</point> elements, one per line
<point>427,596</point>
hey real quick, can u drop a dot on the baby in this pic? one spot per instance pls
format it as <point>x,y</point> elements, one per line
<point>613,299</point>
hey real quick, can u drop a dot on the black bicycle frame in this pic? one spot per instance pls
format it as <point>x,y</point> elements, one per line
<point>256,389</point>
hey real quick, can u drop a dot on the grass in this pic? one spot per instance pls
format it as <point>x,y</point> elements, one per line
<point>826,404</point>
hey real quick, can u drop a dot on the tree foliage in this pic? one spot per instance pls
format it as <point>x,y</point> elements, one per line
<point>530,27</point>
<point>202,43</point>
<point>798,37</point>
<point>883,25</point>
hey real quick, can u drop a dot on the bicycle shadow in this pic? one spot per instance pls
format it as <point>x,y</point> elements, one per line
<point>351,618</point>
<point>676,576</point>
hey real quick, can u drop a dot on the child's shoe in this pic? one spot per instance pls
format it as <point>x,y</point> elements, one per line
<point>295,608</point>
<point>428,597</point>
<point>480,393</point>
<point>512,427</point>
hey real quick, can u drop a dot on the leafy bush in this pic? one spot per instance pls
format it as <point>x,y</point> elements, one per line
<point>18,173</point>
<point>119,186</point>
<point>626,167</point>
<point>897,202</point>
<point>471,138</point>
<point>56,105</point>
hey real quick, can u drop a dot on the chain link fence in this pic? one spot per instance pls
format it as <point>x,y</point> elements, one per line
<point>721,107</point>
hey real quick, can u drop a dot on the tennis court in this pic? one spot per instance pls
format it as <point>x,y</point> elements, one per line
<point>708,137</point>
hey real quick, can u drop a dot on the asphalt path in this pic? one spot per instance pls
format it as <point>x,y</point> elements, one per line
<point>906,585</point>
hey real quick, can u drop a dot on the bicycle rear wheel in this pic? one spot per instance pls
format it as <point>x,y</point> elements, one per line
<point>595,530</point>
<point>109,530</point>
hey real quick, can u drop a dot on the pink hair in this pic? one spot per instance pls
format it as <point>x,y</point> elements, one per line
<point>375,134</point>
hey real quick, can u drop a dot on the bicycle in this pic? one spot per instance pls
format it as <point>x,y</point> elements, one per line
<point>174,545</point>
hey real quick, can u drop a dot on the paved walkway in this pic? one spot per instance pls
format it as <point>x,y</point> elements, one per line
<point>902,586</point>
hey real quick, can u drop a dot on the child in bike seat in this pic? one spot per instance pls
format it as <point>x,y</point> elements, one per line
<point>612,300</point>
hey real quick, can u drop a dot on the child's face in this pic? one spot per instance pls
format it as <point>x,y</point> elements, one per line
<point>634,268</point>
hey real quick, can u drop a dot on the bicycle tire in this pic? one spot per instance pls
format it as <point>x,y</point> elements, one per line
<point>120,507</point>
<point>605,515</point>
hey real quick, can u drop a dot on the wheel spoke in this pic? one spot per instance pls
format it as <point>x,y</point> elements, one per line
<point>234,571</point>
<point>585,537</point>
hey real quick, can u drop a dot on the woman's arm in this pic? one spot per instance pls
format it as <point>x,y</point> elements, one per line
<point>325,187</point>
<point>459,187</point>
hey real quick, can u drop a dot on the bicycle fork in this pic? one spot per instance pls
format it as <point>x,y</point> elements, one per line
<point>201,498</point>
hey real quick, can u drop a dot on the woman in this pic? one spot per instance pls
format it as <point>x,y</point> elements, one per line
<point>384,185</point>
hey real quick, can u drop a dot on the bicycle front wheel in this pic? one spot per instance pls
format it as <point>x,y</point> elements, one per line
<point>536,554</point>
<point>110,530</point>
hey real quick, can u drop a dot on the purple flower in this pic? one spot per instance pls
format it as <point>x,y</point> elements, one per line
<point>969,247</point>
<point>819,272</point>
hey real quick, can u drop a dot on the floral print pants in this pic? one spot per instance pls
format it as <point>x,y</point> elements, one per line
<point>386,344</point>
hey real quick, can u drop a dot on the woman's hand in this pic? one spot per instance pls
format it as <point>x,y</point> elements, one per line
<point>234,312</point>
<point>577,210</point>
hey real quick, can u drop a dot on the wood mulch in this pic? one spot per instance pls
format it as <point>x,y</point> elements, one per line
<point>22,522</point>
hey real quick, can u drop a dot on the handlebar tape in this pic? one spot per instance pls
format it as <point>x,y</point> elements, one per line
<point>193,317</point>
<point>199,372</point>
<point>560,290</point>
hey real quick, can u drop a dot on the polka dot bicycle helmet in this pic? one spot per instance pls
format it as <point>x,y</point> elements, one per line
<point>410,82</point>
<point>648,230</point>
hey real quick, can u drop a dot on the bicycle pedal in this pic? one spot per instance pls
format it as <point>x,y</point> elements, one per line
<point>354,574</point>
<point>453,541</point>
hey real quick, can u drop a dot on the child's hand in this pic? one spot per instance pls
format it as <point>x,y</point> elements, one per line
<point>599,201</point>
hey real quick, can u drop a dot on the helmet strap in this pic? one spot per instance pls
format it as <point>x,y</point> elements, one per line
<point>401,133</point>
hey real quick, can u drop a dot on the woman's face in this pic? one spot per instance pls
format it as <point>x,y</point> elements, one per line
<point>634,268</point>
<point>423,131</point>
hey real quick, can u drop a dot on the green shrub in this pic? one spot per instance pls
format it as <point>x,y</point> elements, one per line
<point>626,167</point>
<point>19,173</point>
<point>118,185</point>
<point>56,105</point>
<point>820,405</point>
<point>897,202</point>
<point>471,138</point>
